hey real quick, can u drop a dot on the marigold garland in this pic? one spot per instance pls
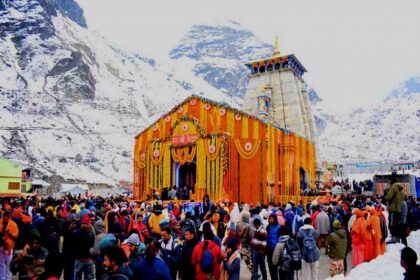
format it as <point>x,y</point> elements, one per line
<point>183,155</point>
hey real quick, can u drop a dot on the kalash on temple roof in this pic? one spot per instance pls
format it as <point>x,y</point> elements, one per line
<point>264,153</point>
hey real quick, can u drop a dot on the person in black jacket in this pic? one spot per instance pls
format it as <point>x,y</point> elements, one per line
<point>84,238</point>
<point>408,262</point>
<point>186,252</point>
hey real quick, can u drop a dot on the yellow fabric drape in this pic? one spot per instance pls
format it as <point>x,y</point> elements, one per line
<point>256,134</point>
<point>167,166</point>
<point>247,154</point>
<point>184,155</point>
<point>159,146</point>
<point>244,127</point>
<point>201,164</point>
<point>230,122</point>
<point>212,141</point>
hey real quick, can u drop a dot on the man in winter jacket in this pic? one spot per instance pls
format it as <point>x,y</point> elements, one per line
<point>243,230</point>
<point>310,252</point>
<point>322,225</point>
<point>278,251</point>
<point>394,198</point>
<point>337,243</point>
<point>188,246</point>
<point>115,265</point>
<point>258,246</point>
<point>273,229</point>
<point>170,251</point>
<point>85,239</point>
<point>8,234</point>
<point>197,256</point>
<point>408,262</point>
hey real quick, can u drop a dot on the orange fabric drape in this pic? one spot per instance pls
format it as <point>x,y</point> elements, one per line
<point>184,154</point>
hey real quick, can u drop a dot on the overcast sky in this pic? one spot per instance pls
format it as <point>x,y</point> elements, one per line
<point>355,51</point>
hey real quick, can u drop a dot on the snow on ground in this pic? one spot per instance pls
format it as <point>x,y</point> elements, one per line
<point>386,267</point>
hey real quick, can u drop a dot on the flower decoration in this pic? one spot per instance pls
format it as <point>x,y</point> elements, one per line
<point>143,156</point>
<point>212,149</point>
<point>222,111</point>
<point>248,146</point>
<point>180,109</point>
<point>193,102</point>
<point>168,118</point>
<point>155,127</point>
<point>185,127</point>
<point>207,106</point>
<point>156,153</point>
<point>238,117</point>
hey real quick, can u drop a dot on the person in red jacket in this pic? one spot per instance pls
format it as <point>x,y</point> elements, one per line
<point>197,256</point>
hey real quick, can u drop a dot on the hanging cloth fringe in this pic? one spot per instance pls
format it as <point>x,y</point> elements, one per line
<point>249,149</point>
<point>184,155</point>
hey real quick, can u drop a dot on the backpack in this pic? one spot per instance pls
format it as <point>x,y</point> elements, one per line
<point>291,258</point>
<point>207,260</point>
<point>384,229</point>
<point>310,252</point>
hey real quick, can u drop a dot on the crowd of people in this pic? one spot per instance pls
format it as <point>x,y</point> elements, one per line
<point>114,238</point>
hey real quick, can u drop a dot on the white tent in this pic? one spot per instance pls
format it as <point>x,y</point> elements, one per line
<point>74,189</point>
<point>40,182</point>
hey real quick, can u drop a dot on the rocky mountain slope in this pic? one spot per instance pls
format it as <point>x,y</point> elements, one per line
<point>72,102</point>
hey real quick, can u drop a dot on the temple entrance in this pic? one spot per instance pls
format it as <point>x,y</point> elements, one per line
<point>186,174</point>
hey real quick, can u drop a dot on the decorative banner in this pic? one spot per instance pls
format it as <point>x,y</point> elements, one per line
<point>156,150</point>
<point>182,140</point>
<point>212,148</point>
<point>184,155</point>
<point>248,149</point>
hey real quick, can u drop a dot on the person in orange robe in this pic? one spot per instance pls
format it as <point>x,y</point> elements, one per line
<point>376,232</point>
<point>358,237</point>
<point>368,254</point>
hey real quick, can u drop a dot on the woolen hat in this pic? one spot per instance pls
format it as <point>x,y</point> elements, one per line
<point>336,224</point>
<point>133,239</point>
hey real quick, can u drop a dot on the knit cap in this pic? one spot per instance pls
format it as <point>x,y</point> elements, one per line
<point>108,241</point>
<point>133,239</point>
<point>337,224</point>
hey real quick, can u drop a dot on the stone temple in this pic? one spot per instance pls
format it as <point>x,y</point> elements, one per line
<point>277,93</point>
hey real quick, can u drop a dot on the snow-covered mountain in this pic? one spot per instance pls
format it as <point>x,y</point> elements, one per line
<point>382,131</point>
<point>385,130</point>
<point>72,101</point>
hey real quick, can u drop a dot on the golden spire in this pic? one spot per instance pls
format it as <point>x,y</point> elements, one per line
<point>276,51</point>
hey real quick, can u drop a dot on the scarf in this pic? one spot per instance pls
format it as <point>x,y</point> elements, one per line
<point>223,273</point>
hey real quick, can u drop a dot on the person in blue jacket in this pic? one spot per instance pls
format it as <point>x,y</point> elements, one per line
<point>273,229</point>
<point>152,267</point>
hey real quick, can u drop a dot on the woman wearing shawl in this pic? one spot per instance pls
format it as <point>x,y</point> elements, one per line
<point>231,265</point>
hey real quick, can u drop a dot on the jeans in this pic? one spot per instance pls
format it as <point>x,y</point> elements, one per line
<point>83,267</point>
<point>258,260</point>
<point>271,267</point>
<point>5,260</point>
